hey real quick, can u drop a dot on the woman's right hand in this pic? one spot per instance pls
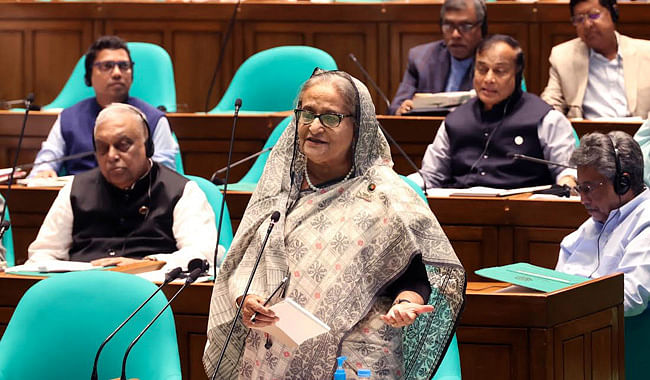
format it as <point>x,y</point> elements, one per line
<point>254,303</point>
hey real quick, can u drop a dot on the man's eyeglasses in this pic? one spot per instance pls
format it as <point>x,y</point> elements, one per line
<point>106,66</point>
<point>448,27</point>
<point>328,119</point>
<point>587,188</point>
<point>592,15</point>
<point>123,145</point>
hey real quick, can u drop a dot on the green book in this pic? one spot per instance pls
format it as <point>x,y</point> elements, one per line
<point>531,276</point>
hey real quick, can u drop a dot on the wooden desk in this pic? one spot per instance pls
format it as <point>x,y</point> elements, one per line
<point>484,231</point>
<point>572,333</point>
<point>204,139</point>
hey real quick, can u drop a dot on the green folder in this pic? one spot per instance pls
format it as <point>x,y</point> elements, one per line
<point>531,276</point>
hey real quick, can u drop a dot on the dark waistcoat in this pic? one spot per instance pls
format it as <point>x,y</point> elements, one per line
<point>78,123</point>
<point>513,126</point>
<point>132,223</point>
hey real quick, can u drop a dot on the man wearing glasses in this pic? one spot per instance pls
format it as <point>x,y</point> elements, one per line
<point>617,236</point>
<point>446,65</point>
<point>109,70</point>
<point>600,73</point>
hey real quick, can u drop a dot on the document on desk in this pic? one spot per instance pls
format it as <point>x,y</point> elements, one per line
<point>52,266</point>
<point>531,276</point>
<point>295,324</point>
<point>480,191</point>
<point>46,182</point>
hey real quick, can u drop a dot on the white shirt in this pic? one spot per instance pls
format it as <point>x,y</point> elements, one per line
<point>193,228</point>
<point>165,147</point>
<point>605,92</point>
<point>621,244</point>
<point>555,135</point>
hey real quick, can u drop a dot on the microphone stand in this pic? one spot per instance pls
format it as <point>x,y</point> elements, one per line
<point>225,186</point>
<point>388,136</point>
<point>173,274</point>
<point>4,224</point>
<point>190,279</point>
<point>274,218</point>
<point>214,178</point>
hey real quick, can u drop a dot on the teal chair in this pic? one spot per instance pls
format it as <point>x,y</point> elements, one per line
<point>637,346</point>
<point>60,322</point>
<point>153,79</point>
<point>8,242</point>
<point>449,368</point>
<point>215,198</point>
<point>250,179</point>
<point>269,81</point>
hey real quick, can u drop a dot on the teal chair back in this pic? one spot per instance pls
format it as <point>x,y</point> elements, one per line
<point>153,79</point>
<point>637,346</point>
<point>253,175</point>
<point>269,81</point>
<point>215,198</point>
<point>8,241</point>
<point>60,322</point>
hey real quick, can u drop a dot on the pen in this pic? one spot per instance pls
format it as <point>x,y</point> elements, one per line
<point>284,280</point>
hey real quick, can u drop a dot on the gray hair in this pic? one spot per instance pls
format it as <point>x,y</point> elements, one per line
<point>461,5</point>
<point>115,108</point>
<point>597,151</point>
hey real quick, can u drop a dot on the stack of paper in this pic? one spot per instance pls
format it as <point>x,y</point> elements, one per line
<point>442,99</point>
<point>52,266</point>
<point>46,182</point>
<point>531,276</point>
<point>295,324</point>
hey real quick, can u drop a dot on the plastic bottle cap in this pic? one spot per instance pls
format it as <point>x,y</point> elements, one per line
<point>339,374</point>
<point>363,373</point>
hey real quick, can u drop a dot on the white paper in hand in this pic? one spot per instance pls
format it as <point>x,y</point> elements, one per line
<point>295,324</point>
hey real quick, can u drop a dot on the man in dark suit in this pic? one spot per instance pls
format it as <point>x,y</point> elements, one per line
<point>446,65</point>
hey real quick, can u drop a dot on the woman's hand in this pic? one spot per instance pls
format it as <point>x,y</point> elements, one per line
<point>254,303</point>
<point>404,313</point>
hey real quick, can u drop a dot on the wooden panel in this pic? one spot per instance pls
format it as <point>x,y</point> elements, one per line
<point>474,246</point>
<point>539,246</point>
<point>587,348</point>
<point>500,352</point>
<point>11,64</point>
<point>190,332</point>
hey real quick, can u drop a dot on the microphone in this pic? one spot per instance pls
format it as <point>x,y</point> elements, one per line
<point>169,277</point>
<point>225,186</point>
<point>59,159</point>
<point>274,219</point>
<point>28,102</point>
<point>388,136</point>
<point>369,79</point>
<point>517,156</point>
<point>222,53</point>
<point>218,181</point>
<point>190,279</point>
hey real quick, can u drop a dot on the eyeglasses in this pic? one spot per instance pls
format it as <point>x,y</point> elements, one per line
<point>587,188</point>
<point>328,119</point>
<point>592,15</point>
<point>107,66</point>
<point>123,145</point>
<point>448,27</point>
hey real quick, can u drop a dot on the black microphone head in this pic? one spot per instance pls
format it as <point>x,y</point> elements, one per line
<point>512,155</point>
<point>237,103</point>
<point>173,274</point>
<point>196,273</point>
<point>30,97</point>
<point>218,180</point>
<point>275,216</point>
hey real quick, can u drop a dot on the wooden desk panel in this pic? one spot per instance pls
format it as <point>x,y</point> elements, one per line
<point>43,40</point>
<point>501,335</point>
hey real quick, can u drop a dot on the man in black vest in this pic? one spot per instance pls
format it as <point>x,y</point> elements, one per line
<point>109,70</point>
<point>473,147</point>
<point>130,207</point>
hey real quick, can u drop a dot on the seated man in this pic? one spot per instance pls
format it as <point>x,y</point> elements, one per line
<point>109,69</point>
<point>617,236</point>
<point>602,73</point>
<point>130,207</point>
<point>447,65</point>
<point>473,146</point>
